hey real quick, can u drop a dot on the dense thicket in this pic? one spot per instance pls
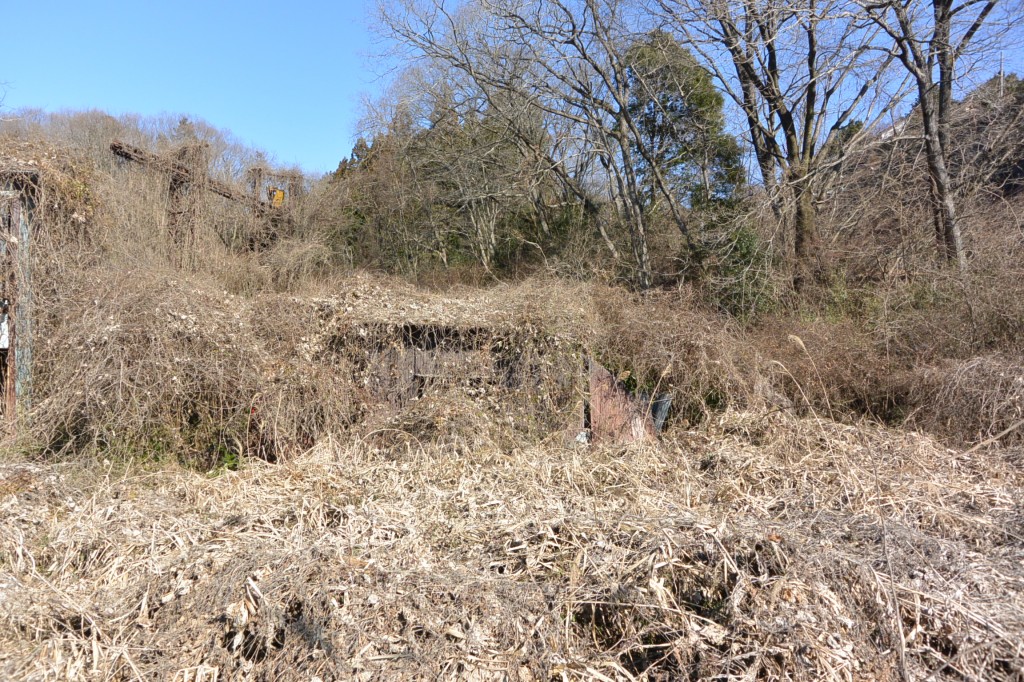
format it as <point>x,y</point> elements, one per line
<point>794,219</point>
<point>576,143</point>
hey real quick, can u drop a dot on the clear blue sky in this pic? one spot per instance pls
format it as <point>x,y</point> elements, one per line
<point>285,77</point>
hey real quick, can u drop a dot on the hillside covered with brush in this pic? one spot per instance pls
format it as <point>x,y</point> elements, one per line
<point>284,427</point>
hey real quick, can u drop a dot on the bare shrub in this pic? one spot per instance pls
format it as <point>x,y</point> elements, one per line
<point>831,367</point>
<point>296,262</point>
<point>669,343</point>
<point>972,400</point>
<point>143,364</point>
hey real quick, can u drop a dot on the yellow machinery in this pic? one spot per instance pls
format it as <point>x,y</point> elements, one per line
<point>276,196</point>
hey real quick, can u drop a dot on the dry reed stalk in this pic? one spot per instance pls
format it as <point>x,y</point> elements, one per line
<point>763,547</point>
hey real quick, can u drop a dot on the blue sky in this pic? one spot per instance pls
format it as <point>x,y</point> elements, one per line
<point>287,78</point>
<point>284,77</point>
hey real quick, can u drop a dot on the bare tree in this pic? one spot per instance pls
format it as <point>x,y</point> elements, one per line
<point>566,58</point>
<point>800,72</point>
<point>473,159</point>
<point>931,38</point>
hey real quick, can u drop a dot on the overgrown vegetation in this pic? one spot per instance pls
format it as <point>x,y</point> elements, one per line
<point>341,439</point>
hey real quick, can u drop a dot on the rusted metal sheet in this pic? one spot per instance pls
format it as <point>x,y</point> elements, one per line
<point>615,416</point>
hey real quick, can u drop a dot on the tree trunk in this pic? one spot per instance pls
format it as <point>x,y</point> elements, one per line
<point>809,265</point>
<point>593,214</point>
<point>947,227</point>
<point>640,251</point>
<point>483,216</point>
<point>624,193</point>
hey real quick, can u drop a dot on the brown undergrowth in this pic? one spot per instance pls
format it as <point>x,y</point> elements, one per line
<point>264,468</point>
<point>758,548</point>
<point>153,364</point>
<point>424,511</point>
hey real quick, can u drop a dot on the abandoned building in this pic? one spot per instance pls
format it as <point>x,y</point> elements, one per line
<point>539,376</point>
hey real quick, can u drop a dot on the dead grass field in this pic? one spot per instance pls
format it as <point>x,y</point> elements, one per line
<point>445,543</point>
<point>223,475</point>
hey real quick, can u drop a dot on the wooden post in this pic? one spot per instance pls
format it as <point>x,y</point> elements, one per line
<point>16,206</point>
<point>23,308</point>
<point>295,186</point>
<point>256,177</point>
<point>11,217</point>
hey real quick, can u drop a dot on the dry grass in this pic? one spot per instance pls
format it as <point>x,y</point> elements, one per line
<point>973,400</point>
<point>448,526</point>
<point>435,538</point>
<point>147,363</point>
<point>142,364</point>
<point>761,548</point>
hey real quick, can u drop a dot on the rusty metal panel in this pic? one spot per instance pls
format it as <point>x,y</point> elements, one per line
<point>615,417</point>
